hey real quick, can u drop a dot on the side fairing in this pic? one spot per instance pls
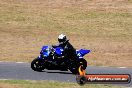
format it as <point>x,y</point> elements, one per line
<point>84,52</point>
<point>59,51</point>
<point>80,53</point>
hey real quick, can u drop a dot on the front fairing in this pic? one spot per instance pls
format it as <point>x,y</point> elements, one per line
<point>45,51</point>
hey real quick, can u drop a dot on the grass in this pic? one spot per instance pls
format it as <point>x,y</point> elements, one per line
<point>47,84</point>
<point>103,26</point>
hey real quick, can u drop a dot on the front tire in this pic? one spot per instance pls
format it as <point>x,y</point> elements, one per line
<point>37,65</point>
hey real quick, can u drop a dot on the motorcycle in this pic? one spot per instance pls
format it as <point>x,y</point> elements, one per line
<point>53,59</point>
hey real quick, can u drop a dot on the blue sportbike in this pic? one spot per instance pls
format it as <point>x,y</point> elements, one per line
<point>53,59</point>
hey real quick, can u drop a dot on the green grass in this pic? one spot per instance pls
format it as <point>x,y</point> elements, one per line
<point>50,84</point>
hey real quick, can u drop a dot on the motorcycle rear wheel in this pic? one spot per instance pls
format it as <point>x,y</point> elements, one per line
<point>75,67</point>
<point>74,70</point>
<point>83,62</point>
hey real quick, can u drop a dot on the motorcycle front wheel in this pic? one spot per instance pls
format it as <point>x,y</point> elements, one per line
<point>37,65</point>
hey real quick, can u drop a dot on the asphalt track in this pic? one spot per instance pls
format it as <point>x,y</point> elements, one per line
<point>18,70</point>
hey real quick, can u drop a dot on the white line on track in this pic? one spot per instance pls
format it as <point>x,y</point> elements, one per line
<point>20,62</point>
<point>112,67</point>
<point>11,62</point>
<point>122,67</point>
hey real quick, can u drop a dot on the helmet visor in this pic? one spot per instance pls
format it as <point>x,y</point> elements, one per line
<point>61,40</point>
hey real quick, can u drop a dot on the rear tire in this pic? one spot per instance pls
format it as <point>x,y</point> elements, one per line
<point>74,68</point>
<point>83,62</point>
<point>37,65</point>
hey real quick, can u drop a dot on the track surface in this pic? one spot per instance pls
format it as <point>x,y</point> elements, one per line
<point>12,70</point>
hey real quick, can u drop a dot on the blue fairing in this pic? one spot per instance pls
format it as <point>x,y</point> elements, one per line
<point>45,47</point>
<point>82,52</point>
<point>59,51</point>
<point>45,51</point>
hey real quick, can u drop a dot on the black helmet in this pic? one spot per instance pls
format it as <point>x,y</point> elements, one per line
<point>62,38</point>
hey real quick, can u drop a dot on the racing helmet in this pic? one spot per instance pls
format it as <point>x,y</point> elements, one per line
<point>62,38</point>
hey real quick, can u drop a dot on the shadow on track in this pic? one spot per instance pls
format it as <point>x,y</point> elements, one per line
<point>59,72</point>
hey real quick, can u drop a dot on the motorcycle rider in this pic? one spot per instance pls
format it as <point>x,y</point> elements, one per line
<point>69,50</point>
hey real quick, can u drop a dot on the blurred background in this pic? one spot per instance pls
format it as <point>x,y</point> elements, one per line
<point>103,26</point>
